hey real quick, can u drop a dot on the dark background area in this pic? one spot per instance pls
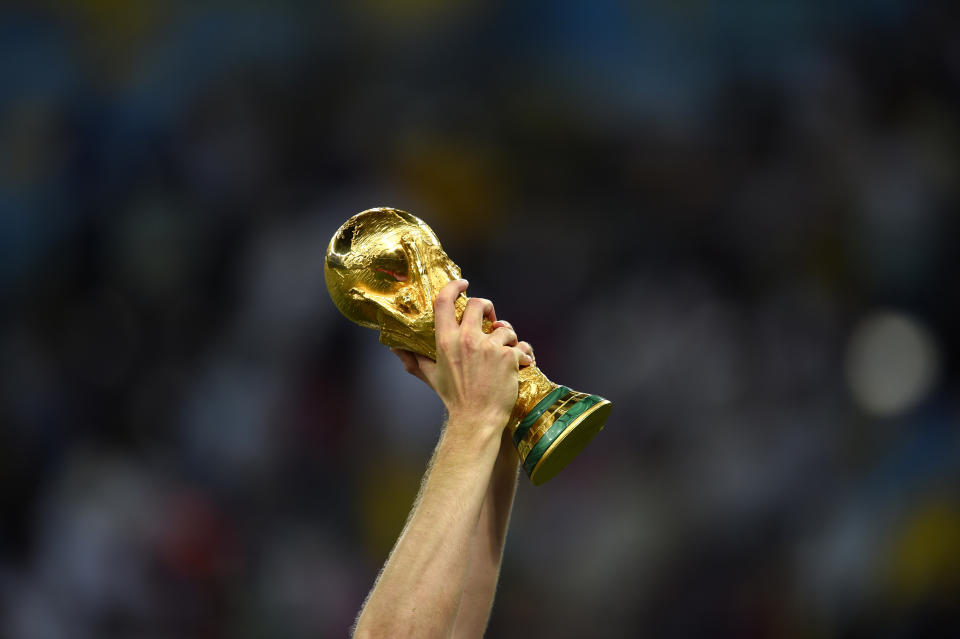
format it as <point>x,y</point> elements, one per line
<point>737,221</point>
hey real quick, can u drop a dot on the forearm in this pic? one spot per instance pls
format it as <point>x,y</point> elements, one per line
<point>419,591</point>
<point>488,543</point>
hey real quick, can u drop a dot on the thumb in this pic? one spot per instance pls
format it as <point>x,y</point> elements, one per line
<point>428,367</point>
<point>409,360</point>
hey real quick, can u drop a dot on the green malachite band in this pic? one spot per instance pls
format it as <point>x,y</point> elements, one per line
<point>556,429</point>
<point>537,411</point>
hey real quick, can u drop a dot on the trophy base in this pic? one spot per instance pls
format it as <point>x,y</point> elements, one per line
<point>556,430</point>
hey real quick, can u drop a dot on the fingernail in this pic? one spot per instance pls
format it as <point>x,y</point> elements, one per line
<point>529,358</point>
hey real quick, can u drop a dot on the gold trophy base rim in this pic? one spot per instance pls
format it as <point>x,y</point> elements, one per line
<point>571,442</point>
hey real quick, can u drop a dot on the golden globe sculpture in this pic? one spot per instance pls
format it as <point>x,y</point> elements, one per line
<point>383,269</point>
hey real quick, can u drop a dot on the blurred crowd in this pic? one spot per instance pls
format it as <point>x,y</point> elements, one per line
<point>737,221</point>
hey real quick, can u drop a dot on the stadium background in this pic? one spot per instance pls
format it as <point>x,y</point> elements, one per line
<point>737,220</point>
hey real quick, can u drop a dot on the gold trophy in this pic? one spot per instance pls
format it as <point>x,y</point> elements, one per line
<point>384,268</point>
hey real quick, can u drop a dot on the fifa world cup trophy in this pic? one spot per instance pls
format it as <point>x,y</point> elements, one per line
<point>383,270</point>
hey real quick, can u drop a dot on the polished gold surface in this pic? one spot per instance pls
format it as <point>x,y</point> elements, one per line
<point>383,270</point>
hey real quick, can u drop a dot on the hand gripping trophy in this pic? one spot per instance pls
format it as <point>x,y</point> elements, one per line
<point>383,269</point>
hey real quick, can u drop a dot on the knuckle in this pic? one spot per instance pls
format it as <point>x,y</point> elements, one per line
<point>481,303</point>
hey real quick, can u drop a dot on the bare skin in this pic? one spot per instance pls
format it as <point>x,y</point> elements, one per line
<point>441,576</point>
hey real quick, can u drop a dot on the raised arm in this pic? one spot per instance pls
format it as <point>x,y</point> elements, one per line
<point>487,548</point>
<point>421,587</point>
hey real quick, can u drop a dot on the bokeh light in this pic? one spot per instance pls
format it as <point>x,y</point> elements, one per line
<point>892,363</point>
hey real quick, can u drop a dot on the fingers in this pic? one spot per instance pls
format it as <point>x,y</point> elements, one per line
<point>522,358</point>
<point>522,350</point>
<point>504,336</point>
<point>526,348</point>
<point>477,309</point>
<point>444,313</point>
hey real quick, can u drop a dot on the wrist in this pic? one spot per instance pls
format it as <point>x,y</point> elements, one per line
<point>485,422</point>
<point>475,430</point>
